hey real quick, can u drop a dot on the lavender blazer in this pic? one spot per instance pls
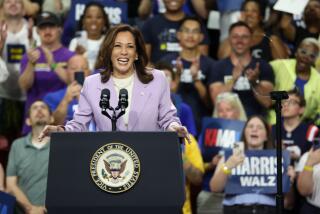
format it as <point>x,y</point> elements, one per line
<point>151,108</point>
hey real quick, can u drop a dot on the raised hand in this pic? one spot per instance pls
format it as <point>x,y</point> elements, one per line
<point>3,34</point>
<point>253,74</point>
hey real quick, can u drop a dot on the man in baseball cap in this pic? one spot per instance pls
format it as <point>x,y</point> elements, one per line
<point>47,18</point>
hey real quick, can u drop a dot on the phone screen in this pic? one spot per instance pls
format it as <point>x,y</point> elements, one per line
<point>79,77</point>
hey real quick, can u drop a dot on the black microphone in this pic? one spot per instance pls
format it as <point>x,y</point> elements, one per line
<point>123,99</point>
<point>104,99</point>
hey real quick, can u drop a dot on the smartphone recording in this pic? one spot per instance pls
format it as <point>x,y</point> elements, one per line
<point>79,77</point>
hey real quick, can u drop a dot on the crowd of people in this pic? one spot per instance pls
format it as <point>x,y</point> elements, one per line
<point>57,56</point>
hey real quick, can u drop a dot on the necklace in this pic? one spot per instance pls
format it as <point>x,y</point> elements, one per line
<point>288,134</point>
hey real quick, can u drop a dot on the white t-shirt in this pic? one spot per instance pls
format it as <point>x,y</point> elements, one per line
<point>314,198</point>
<point>92,47</point>
<point>15,46</point>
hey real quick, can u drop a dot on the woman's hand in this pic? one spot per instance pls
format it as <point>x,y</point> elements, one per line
<point>48,130</point>
<point>181,131</point>
<point>235,160</point>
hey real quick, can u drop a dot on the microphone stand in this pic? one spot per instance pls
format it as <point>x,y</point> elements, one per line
<point>114,116</point>
<point>278,96</point>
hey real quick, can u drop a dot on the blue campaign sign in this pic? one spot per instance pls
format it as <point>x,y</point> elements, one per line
<point>258,173</point>
<point>7,203</point>
<point>218,133</point>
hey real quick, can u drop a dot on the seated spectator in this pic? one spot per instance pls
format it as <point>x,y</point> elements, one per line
<point>16,40</point>
<point>294,131</point>
<point>252,79</point>
<point>42,68</point>
<point>184,111</point>
<point>309,182</point>
<point>227,106</point>
<point>256,136</point>
<point>64,101</point>
<point>193,68</point>
<point>311,17</point>
<point>27,168</point>
<point>159,32</point>
<point>93,25</point>
<point>264,45</point>
<point>299,72</point>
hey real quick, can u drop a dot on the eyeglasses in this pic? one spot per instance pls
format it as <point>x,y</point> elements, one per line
<point>304,52</point>
<point>290,102</point>
<point>191,31</point>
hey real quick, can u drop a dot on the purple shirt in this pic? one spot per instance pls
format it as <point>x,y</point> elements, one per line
<point>45,80</point>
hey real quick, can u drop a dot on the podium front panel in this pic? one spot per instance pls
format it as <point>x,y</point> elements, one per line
<point>71,187</point>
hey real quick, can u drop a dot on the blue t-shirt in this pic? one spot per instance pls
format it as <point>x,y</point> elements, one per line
<point>300,83</point>
<point>184,113</point>
<point>187,89</point>
<point>160,33</point>
<point>53,99</point>
<point>222,72</point>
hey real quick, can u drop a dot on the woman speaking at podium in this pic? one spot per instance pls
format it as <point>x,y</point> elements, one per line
<point>122,63</point>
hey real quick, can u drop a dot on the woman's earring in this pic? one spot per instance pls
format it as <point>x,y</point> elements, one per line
<point>137,58</point>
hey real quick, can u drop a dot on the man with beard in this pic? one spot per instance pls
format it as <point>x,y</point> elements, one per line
<point>27,167</point>
<point>311,18</point>
<point>299,73</point>
<point>252,79</point>
<point>43,68</point>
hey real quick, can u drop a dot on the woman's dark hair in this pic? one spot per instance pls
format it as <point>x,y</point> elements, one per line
<point>105,16</point>
<point>104,62</point>
<point>261,5</point>
<point>268,143</point>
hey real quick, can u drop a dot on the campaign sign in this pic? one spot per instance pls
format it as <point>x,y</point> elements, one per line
<point>258,173</point>
<point>7,203</point>
<point>15,52</point>
<point>218,133</point>
<point>117,11</point>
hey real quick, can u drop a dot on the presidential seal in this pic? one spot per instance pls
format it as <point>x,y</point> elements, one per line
<point>115,168</point>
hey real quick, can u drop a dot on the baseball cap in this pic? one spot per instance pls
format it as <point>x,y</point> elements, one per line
<point>48,18</point>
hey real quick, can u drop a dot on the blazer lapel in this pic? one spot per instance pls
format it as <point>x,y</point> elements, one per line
<point>140,96</point>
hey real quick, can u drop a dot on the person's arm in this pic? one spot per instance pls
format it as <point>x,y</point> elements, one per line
<point>26,79</point>
<point>223,170</point>
<point>144,9</point>
<point>289,31</point>
<point>224,49</point>
<point>58,69</point>
<point>217,87</point>
<point>13,188</point>
<point>200,8</point>
<point>278,49</point>
<point>31,8</point>
<point>305,182</point>
<point>73,91</point>
<point>1,178</point>
<point>192,162</point>
<point>261,89</point>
